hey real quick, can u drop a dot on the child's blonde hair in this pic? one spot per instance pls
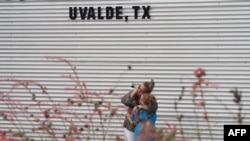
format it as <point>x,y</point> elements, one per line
<point>148,99</point>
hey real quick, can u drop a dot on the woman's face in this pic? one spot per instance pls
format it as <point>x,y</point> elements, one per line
<point>141,101</point>
<point>141,89</point>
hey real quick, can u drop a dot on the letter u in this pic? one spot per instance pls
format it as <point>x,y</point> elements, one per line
<point>73,13</point>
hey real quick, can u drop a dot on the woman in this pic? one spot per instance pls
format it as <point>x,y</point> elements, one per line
<point>142,116</point>
<point>131,100</point>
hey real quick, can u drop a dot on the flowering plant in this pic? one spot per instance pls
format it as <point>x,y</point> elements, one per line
<point>61,120</point>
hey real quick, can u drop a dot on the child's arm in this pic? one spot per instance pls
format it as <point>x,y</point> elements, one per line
<point>138,107</point>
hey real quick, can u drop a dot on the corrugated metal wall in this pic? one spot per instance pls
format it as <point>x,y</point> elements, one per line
<point>180,36</point>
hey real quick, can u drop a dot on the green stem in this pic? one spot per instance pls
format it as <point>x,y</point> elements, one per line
<point>205,110</point>
<point>197,125</point>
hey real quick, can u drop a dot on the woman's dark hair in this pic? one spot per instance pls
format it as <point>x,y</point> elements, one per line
<point>149,86</point>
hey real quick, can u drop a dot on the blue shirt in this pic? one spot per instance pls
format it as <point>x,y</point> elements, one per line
<point>142,115</point>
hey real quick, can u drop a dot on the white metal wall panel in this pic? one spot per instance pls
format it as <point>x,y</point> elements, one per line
<point>180,36</point>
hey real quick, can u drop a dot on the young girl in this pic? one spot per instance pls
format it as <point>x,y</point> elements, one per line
<point>142,115</point>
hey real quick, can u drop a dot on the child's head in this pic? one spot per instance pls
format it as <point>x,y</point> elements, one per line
<point>147,99</point>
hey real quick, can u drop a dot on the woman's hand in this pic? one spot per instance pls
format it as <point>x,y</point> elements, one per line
<point>137,108</point>
<point>137,86</point>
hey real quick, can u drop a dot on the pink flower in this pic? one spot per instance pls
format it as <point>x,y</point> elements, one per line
<point>205,115</point>
<point>118,138</point>
<point>169,128</point>
<point>199,72</point>
<point>211,85</point>
<point>69,139</point>
<point>2,135</point>
<point>194,88</point>
<point>200,104</point>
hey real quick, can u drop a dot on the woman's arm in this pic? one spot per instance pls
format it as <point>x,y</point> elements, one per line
<point>129,100</point>
<point>150,108</point>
